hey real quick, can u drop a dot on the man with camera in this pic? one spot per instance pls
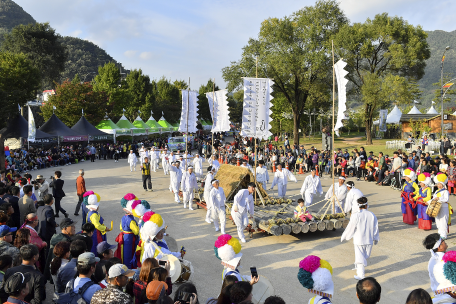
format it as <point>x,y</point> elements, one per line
<point>58,193</point>
<point>41,185</point>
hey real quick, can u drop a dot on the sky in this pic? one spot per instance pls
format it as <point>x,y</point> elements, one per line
<point>179,39</point>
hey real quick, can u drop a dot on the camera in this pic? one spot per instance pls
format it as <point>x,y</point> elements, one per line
<point>184,297</point>
<point>162,263</point>
<point>33,182</point>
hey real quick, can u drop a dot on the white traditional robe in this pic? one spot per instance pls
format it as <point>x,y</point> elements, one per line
<point>262,176</point>
<point>175,180</point>
<point>341,194</point>
<point>154,159</point>
<point>198,166</point>
<point>188,184</point>
<point>206,194</point>
<point>432,262</point>
<point>281,180</point>
<point>132,161</point>
<point>310,187</point>
<point>242,206</point>
<point>171,159</point>
<point>214,163</point>
<point>142,155</point>
<point>441,220</point>
<point>218,199</point>
<point>351,201</point>
<point>165,163</point>
<point>363,228</point>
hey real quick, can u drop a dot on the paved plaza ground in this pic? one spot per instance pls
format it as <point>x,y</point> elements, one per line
<point>398,262</point>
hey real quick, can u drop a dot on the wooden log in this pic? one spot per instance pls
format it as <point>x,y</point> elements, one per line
<point>286,229</point>
<point>305,227</point>
<point>321,226</point>
<point>274,229</point>
<point>345,222</point>
<point>337,223</point>
<point>295,228</point>
<point>313,227</point>
<point>329,224</point>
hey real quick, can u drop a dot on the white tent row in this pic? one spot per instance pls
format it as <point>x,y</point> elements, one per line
<point>395,115</point>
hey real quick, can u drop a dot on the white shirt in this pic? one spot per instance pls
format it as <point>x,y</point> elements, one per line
<point>431,264</point>
<point>312,185</point>
<point>217,197</point>
<point>339,191</point>
<point>281,177</point>
<point>214,163</point>
<point>198,163</point>
<point>175,174</point>
<point>262,174</point>
<point>444,196</point>
<point>208,184</point>
<point>243,201</point>
<point>131,158</point>
<point>351,201</point>
<point>363,228</point>
<point>188,181</point>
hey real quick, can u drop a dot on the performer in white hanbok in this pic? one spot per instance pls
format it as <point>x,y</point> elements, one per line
<point>310,187</point>
<point>351,200</point>
<point>175,179</point>
<point>172,158</point>
<point>132,160</point>
<point>243,206</point>
<point>165,164</point>
<point>363,228</point>
<point>142,155</point>
<point>442,195</point>
<point>262,175</point>
<point>207,193</point>
<point>154,158</point>
<point>214,162</point>
<point>281,177</point>
<point>218,199</point>
<point>198,165</point>
<point>437,246</point>
<point>188,185</point>
<point>340,190</point>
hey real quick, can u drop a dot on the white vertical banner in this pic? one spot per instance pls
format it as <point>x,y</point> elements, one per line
<point>382,120</point>
<point>341,93</point>
<point>256,113</point>
<point>219,111</point>
<point>189,114</point>
<point>31,126</point>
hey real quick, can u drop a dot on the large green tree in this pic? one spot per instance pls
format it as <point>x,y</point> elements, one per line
<point>71,98</point>
<point>19,80</point>
<point>40,43</point>
<point>204,111</point>
<point>168,99</point>
<point>296,52</point>
<point>385,57</point>
<point>141,92</point>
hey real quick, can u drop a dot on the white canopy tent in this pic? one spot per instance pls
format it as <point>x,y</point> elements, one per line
<point>414,110</point>
<point>432,110</point>
<point>394,116</point>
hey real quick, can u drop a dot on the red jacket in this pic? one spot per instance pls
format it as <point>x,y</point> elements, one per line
<point>80,185</point>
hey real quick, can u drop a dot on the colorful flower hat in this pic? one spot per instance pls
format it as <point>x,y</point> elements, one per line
<point>441,178</point>
<point>91,200</point>
<point>228,249</point>
<point>131,204</point>
<point>445,273</point>
<point>315,274</point>
<point>410,173</point>
<point>425,178</point>
<point>153,223</point>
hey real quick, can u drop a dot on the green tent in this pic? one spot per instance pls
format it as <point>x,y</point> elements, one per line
<point>128,128</point>
<point>153,125</point>
<point>140,124</point>
<point>166,126</point>
<point>108,126</point>
<point>175,126</point>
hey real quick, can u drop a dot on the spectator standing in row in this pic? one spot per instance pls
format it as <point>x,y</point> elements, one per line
<point>86,267</point>
<point>105,253</point>
<point>58,193</point>
<point>368,291</point>
<point>117,279</point>
<point>26,204</point>
<point>80,190</point>
<point>17,288</point>
<point>88,229</point>
<point>46,221</point>
<point>6,248</point>
<point>68,272</point>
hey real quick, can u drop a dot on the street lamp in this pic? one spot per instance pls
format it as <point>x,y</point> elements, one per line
<point>441,85</point>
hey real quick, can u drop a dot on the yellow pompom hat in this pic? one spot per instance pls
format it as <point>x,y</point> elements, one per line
<point>410,174</point>
<point>441,178</point>
<point>152,227</point>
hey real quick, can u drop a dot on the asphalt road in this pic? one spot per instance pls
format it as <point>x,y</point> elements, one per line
<point>398,262</point>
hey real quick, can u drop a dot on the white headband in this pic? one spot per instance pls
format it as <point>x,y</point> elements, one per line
<point>341,177</point>
<point>214,181</point>
<point>437,245</point>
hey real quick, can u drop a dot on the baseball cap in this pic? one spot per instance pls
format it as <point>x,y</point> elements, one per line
<point>103,246</point>
<point>66,222</point>
<point>87,258</point>
<point>118,270</point>
<point>16,282</point>
<point>154,289</point>
<point>4,230</point>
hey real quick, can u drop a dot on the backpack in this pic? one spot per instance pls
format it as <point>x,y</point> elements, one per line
<point>71,297</point>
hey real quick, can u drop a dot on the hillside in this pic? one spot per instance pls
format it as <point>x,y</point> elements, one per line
<point>12,15</point>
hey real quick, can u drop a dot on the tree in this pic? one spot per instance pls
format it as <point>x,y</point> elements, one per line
<point>204,111</point>
<point>71,98</point>
<point>385,57</point>
<point>235,106</point>
<point>141,93</point>
<point>295,52</point>
<point>168,100</point>
<point>19,80</point>
<point>40,43</point>
<point>76,79</point>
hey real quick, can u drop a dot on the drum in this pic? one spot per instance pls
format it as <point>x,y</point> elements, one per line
<point>172,244</point>
<point>262,290</point>
<point>180,270</point>
<point>433,208</point>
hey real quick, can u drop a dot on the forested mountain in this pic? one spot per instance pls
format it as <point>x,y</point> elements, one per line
<point>12,15</point>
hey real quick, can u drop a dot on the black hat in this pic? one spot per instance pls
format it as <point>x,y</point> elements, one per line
<point>261,162</point>
<point>16,282</point>
<point>66,222</point>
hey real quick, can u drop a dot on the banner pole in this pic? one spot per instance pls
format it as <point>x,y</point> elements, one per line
<point>188,109</point>
<point>213,102</point>
<point>333,148</point>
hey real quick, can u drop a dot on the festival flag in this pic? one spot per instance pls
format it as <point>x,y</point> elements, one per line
<point>447,85</point>
<point>341,93</point>
<point>256,112</point>
<point>189,113</point>
<point>31,126</point>
<point>219,111</point>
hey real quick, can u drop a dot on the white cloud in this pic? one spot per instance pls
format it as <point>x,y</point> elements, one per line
<point>130,53</point>
<point>76,33</point>
<point>146,55</point>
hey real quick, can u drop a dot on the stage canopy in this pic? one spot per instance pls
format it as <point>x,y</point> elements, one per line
<point>55,126</point>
